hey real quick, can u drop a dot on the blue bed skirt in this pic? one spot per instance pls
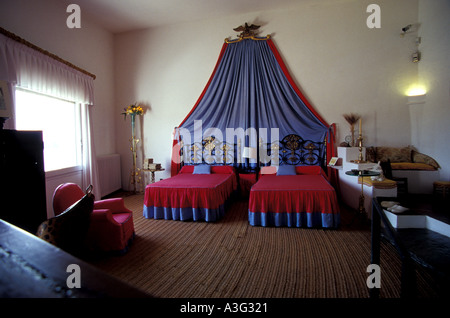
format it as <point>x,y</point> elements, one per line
<point>185,214</point>
<point>302,219</point>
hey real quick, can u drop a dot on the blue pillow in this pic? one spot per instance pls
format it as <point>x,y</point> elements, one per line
<point>202,169</point>
<point>286,170</point>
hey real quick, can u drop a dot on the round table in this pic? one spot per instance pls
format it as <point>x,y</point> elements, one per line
<point>362,174</point>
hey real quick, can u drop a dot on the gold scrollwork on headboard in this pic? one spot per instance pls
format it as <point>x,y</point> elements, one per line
<point>210,151</point>
<point>294,150</point>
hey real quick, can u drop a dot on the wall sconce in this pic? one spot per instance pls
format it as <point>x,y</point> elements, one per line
<point>416,90</point>
<point>416,95</point>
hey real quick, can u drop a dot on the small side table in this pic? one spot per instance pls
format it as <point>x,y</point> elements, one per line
<point>362,174</point>
<point>152,171</point>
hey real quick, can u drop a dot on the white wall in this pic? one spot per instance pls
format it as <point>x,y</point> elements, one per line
<point>340,64</point>
<point>43,23</point>
<point>434,74</point>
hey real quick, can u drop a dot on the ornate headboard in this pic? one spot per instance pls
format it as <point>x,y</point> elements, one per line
<point>294,150</point>
<point>291,150</point>
<point>209,151</point>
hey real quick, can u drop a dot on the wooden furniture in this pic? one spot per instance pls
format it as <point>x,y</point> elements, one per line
<point>441,188</point>
<point>152,171</point>
<point>33,268</point>
<point>415,245</point>
<point>22,180</point>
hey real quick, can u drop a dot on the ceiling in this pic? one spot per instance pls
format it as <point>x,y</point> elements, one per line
<point>121,16</point>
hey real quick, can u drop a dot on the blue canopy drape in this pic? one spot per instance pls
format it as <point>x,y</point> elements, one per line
<point>250,97</point>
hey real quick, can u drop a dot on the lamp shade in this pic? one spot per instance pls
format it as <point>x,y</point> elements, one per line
<point>250,152</point>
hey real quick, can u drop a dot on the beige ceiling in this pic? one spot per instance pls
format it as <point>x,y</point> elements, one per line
<point>126,15</point>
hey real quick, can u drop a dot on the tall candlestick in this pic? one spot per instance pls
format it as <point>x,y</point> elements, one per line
<point>360,127</point>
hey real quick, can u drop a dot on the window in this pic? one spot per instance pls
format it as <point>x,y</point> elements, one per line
<point>59,121</point>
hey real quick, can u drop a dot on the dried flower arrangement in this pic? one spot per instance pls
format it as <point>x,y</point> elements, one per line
<point>352,119</point>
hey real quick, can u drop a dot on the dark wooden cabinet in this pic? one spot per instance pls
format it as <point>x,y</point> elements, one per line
<point>22,179</point>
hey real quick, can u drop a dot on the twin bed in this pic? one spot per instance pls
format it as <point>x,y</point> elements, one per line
<point>299,196</point>
<point>197,193</point>
<point>291,196</point>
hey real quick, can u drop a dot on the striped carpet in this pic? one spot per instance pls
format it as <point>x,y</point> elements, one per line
<point>231,259</point>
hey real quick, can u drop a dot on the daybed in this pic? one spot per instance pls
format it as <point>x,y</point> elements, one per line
<point>419,170</point>
<point>402,158</point>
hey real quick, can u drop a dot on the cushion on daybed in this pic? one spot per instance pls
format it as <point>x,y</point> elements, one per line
<point>402,158</point>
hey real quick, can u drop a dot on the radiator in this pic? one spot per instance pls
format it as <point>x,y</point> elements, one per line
<point>109,173</point>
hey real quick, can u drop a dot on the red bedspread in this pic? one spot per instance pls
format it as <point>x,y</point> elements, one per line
<point>188,193</point>
<point>300,193</point>
<point>309,193</point>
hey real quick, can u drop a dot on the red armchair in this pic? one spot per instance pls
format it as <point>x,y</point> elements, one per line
<point>111,228</point>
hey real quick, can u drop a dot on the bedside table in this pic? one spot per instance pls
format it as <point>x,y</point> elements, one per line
<point>247,178</point>
<point>152,171</point>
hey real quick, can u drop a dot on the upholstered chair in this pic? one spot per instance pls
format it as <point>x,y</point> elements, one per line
<point>68,230</point>
<point>111,225</point>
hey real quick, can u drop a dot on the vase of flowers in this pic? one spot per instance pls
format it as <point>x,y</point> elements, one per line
<point>134,110</point>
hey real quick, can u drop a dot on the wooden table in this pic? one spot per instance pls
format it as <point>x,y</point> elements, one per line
<point>420,246</point>
<point>33,268</point>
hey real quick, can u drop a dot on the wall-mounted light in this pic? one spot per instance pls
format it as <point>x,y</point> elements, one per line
<point>416,95</point>
<point>416,90</point>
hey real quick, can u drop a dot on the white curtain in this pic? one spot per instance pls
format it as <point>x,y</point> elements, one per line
<point>28,68</point>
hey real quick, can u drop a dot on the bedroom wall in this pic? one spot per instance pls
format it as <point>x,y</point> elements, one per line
<point>340,64</point>
<point>43,23</point>
<point>434,75</point>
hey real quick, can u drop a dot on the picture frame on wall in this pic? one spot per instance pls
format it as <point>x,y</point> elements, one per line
<point>333,161</point>
<point>5,101</point>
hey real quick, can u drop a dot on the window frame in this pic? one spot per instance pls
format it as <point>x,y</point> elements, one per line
<point>78,135</point>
